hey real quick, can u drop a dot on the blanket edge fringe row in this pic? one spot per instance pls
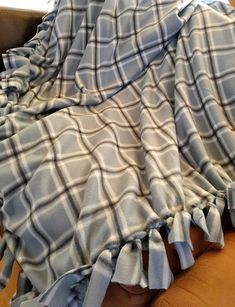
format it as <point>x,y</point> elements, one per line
<point>124,265</point>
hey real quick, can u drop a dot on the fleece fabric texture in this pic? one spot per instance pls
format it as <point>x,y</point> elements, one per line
<point>116,120</point>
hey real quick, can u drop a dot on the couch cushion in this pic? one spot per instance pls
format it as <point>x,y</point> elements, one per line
<point>209,283</point>
<point>17,27</point>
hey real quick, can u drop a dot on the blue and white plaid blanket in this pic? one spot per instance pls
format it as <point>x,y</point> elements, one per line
<point>117,120</point>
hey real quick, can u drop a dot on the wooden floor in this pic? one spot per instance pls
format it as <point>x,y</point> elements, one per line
<point>232,2</point>
<point>9,291</point>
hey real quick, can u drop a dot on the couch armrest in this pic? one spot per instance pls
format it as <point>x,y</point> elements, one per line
<point>17,27</point>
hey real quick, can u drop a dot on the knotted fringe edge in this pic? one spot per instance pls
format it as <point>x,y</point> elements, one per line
<point>125,268</point>
<point>179,233</point>
<point>125,265</point>
<point>230,193</point>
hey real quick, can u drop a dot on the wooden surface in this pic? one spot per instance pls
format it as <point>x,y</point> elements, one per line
<point>232,2</point>
<point>9,291</point>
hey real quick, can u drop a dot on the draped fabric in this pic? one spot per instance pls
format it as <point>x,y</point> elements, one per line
<point>117,123</point>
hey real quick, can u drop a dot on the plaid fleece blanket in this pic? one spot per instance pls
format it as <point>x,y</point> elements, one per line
<point>117,120</point>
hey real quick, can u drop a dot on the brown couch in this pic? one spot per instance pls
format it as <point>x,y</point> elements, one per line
<point>210,282</point>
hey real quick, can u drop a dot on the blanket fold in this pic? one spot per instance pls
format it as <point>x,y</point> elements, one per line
<point>117,121</point>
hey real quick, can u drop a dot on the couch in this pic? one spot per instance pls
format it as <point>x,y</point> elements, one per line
<point>210,282</point>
